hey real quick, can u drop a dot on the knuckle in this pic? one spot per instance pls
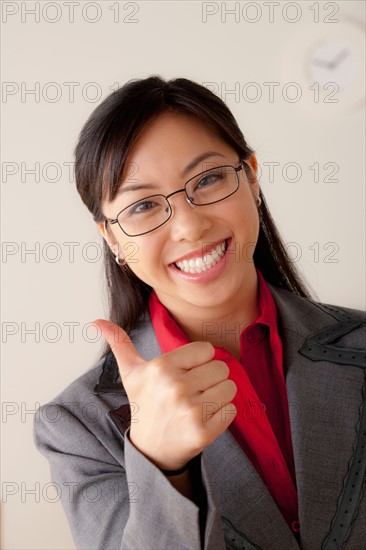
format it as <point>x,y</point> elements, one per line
<point>157,366</point>
<point>158,362</point>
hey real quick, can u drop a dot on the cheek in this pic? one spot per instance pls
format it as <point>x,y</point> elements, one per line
<point>245,220</point>
<point>242,212</point>
<point>144,259</point>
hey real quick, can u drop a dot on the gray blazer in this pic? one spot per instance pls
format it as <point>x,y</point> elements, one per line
<point>115,498</point>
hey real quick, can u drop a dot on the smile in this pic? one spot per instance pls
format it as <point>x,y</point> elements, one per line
<point>202,263</point>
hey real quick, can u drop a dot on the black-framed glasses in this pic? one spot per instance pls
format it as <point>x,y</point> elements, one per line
<point>207,187</point>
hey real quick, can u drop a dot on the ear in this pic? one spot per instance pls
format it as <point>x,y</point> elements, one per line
<point>108,236</point>
<point>253,163</point>
<point>254,185</point>
<point>103,229</point>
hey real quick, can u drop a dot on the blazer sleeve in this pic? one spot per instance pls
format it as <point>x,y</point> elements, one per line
<point>121,505</point>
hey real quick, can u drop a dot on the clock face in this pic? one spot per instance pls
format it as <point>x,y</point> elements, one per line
<point>333,61</point>
<point>327,61</point>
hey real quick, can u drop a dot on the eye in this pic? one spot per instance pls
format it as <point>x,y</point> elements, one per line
<point>142,207</point>
<point>209,180</point>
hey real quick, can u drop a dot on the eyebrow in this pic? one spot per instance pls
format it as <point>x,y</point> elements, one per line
<point>185,171</point>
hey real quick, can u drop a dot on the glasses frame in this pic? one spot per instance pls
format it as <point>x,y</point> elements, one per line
<point>183,189</point>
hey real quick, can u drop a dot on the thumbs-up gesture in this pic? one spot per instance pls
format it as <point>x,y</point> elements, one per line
<point>183,398</point>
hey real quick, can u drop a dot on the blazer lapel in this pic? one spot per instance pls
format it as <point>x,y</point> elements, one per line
<point>255,518</point>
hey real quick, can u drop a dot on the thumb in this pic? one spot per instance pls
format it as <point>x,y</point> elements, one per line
<point>121,345</point>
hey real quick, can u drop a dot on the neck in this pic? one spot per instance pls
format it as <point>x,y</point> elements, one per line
<point>223,326</point>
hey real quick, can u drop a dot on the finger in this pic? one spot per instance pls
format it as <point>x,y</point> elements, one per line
<point>190,355</point>
<point>205,376</point>
<point>121,345</point>
<point>220,421</point>
<point>218,395</point>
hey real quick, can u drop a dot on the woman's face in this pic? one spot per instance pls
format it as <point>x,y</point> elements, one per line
<point>159,158</point>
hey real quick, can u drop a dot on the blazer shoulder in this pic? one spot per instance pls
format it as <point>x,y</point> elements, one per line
<point>81,398</point>
<point>331,332</point>
<point>341,313</point>
<point>302,307</point>
<point>82,386</point>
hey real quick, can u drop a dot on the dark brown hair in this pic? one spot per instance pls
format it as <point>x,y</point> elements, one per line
<point>100,164</point>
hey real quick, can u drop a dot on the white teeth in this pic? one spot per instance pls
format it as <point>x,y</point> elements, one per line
<point>204,263</point>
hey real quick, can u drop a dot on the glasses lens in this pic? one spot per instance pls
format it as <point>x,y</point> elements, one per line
<point>144,215</point>
<point>213,185</point>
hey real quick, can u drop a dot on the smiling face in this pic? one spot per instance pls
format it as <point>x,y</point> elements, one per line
<point>218,280</point>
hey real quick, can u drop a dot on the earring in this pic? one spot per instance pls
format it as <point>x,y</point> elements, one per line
<point>258,201</point>
<point>118,261</point>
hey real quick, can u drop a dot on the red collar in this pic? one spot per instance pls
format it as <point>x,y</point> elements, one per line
<point>170,336</point>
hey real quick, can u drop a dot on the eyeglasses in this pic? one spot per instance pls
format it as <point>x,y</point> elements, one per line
<point>207,187</point>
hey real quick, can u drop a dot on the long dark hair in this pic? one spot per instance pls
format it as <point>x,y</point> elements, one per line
<point>100,163</point>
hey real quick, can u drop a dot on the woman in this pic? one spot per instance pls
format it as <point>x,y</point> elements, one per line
<point>227,408</point>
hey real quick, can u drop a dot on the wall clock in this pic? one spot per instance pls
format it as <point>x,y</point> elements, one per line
<point>327,61</point>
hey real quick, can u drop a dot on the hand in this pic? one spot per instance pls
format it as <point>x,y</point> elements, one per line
<point>334,63</point>
<point>173,393</point>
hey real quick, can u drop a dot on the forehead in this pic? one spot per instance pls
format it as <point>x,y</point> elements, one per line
<point>173,139</point>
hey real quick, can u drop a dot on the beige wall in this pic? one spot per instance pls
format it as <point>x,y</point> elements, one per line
<point>193,40</point>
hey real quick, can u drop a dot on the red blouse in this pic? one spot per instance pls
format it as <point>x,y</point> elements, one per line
<point>261,426</point>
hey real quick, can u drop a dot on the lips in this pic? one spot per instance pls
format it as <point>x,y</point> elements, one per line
<point>211,270</point>
<point>205,250</point>
<point>203,263</point>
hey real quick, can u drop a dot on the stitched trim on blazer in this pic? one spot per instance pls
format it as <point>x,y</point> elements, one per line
<point>350,497</point>
<point>339,314</point>
<point>234,539</point>
<point>318,348</point>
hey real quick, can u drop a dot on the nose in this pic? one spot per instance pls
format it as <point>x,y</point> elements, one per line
<point>188,222</point>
